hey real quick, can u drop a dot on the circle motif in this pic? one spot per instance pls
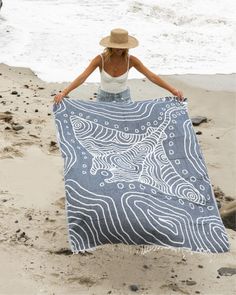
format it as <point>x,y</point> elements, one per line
<point>120,185</point>
<point>181,201</point>
<point>191,205</point>
<point>210,208</point>
<point>104,173</point>
<point>202,187</point>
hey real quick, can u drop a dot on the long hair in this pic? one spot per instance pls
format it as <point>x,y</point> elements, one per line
<point>108,53</point>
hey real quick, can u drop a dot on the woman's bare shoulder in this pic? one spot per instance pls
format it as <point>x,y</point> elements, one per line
<point>98,58</point>
<point>96,61</point>
<point>134,60</point>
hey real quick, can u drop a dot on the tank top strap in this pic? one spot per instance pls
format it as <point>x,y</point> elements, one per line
<point>102,61</point>
<point>128,63</point>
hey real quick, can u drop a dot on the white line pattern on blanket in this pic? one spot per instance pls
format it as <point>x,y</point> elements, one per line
<point>135,174</point>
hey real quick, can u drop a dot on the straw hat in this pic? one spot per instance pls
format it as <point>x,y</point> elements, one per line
<point>119,38</point>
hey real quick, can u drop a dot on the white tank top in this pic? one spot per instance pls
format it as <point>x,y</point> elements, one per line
<point>113,84</point>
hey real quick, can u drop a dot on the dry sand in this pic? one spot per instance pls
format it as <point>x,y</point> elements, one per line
<point>33,219</point>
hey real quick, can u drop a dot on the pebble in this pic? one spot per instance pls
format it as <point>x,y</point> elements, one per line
<point>200,266</point>
<point>17,127</point>
<point>133,288</point>
<point>226,271</point>
<point>53,143</point>
<point>14,92</point>
<point>190,282</point>
<point>63,251</point>
<point>198,120</point>
<point>199,132</point>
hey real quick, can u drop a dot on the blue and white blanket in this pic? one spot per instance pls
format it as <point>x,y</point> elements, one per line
<point>134,174</point>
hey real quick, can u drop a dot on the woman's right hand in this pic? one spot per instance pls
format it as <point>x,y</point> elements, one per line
<point>59,97</point>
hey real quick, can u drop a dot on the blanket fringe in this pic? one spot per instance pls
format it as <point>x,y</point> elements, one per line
<point>143,249</point>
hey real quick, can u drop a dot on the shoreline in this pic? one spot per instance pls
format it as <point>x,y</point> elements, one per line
<point>34,237</point>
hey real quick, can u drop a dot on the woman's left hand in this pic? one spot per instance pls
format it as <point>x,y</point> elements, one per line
<point>178,93</point>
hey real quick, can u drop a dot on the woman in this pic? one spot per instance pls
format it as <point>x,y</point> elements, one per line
<point>114,65</point>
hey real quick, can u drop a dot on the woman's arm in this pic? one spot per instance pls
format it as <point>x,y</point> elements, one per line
<point>135,62</point>
<point>79,80</point>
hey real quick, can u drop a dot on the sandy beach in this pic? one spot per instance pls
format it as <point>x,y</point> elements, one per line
<point>34,250</point>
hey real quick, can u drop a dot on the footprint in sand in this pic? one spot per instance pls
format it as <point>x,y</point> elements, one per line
<point>83,280</point>
<point>60,203</point>
<point>174,287</point>
<point>10,152</point>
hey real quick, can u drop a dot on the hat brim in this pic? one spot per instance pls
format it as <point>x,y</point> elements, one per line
<point>132,42</point>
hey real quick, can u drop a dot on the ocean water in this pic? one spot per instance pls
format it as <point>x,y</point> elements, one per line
<point>58,38</point>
